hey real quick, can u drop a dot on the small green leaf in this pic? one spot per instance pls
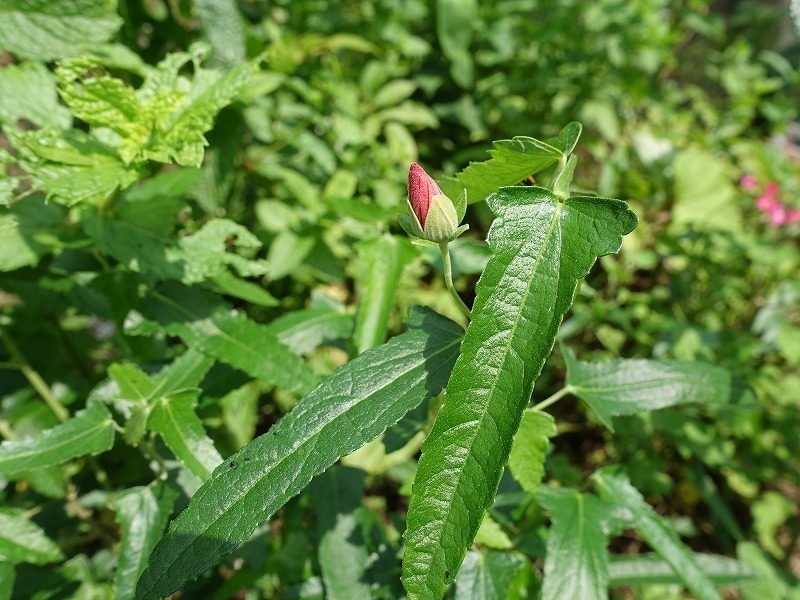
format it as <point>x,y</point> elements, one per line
<point>89,432</point>
<point>28,231</point>
<point>343,557</point>
<point>228,284</point>
<point>384,258</point>
<point>306,330</point>
<point>541,247</point>
<point>351,407</point>
<point>563,178</point>
<point>22,541</point>
<point>488,576</point>
<point>615,487</point>
<point>46,30</point>
<point>174,419</point>
<point>455,27</point>
<point>629,386</point>
<point>512,161</point>
<point>577,559</point>
<point>142,513</point>
<point>222,25</point>
<point>29,92</point>
<point>650,569</point>
<point>531,443</point>
<point>206,323</point>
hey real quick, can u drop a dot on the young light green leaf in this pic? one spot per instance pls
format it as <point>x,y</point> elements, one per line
<point>385,258</point>
<point>28,231</point>
<point>22,541</point>
<point>541,247</point>
<point>650,569</point>
<point>174,419</point>
<point>343,558</point>
<point>142,513</point>
<point>488,576</point>
<point>206,323</point>
<point>186,371</point>
<point>615,487</point>
<point>228,284</point>
<point>629,386</point>
<point>46,30</point>
<point>29,92</point>
<point>512,161</point>
<point>351,407</point>
<point>577,559</point>
<point>529,450</point>
<point>89,432</point>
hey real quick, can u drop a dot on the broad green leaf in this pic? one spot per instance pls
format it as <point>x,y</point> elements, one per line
<point>704,193</point>
<point>512,161</point>
<point>348,409</point>
<point>174,419</point>
<point>629,386</point>
<point>29,92</point>
<point>46,30</point>
<point>28,231</point>
<point>455,26</point>
<point>541,247</point>
<point>343,557</point>
<point>576,565</point>
<point>7,576</point>
<point>488,576</point>
<point>89,432</point>
<point>204,322</point>
<point>222,26</point>
<point>529,450</point>
<point>22,541</point>
<point>306,330</point>
<point>384,259</point>
<point>142,513</point>
<point>615,487</point>
<point>649,569</point>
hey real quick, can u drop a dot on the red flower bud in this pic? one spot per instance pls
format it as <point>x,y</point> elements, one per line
<point>421,189</point>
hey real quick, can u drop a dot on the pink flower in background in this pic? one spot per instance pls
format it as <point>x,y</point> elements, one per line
<point>772,189</point>
<point>749,183</point>
<point>778,214</point>
<point>767,203</point>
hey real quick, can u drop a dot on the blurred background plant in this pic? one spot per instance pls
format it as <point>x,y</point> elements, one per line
<point>690,112</point>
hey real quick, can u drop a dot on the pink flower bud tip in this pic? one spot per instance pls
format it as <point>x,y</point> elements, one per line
<point>748,182</point>
<point>421,189</point>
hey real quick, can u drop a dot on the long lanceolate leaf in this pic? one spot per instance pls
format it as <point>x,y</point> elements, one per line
<point>351,407</point>
<point>541,247</point>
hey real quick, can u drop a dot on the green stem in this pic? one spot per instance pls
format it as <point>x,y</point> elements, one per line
<point>34,378</point>
<point>448,279</point>
<point>565,391</point>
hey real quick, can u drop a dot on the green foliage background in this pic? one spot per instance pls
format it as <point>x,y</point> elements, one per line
<point>202,228</point>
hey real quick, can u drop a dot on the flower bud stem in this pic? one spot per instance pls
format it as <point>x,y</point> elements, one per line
<point>448,279</point>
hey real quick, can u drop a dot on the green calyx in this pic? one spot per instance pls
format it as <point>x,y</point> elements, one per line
<point>441,222</point>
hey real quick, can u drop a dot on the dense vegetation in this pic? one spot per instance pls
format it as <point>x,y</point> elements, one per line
<point>219,346</point>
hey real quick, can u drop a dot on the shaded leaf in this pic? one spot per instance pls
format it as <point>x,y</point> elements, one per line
<point>488,576</point>
<point>22,541</point>
<point>649,569</point>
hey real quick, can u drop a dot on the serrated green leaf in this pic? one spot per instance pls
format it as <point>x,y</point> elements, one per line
<point>529,450</point>
<point>629,386</point>
<point>349,408</point>
<point>343,557</point>
<point>208,324</point>
<point>541,247</point>
<point>306,330</point>
<point>89,432</point>
<point>29,92</point>
<point>650,569</point>
<point>576,565</point>
<point>174,419</point>
<point>488,576</point>
<point>46,30</point>
<point>22,541</point>
<point>142,513</point>
<point>615,487</point>
<point>512,161</point>
<point>385,258</point>
<point>28,231</point>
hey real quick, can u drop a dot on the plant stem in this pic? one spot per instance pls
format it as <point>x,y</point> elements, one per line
<point>34,378</point>
<point>565,391</point>
<point>448,279</point>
